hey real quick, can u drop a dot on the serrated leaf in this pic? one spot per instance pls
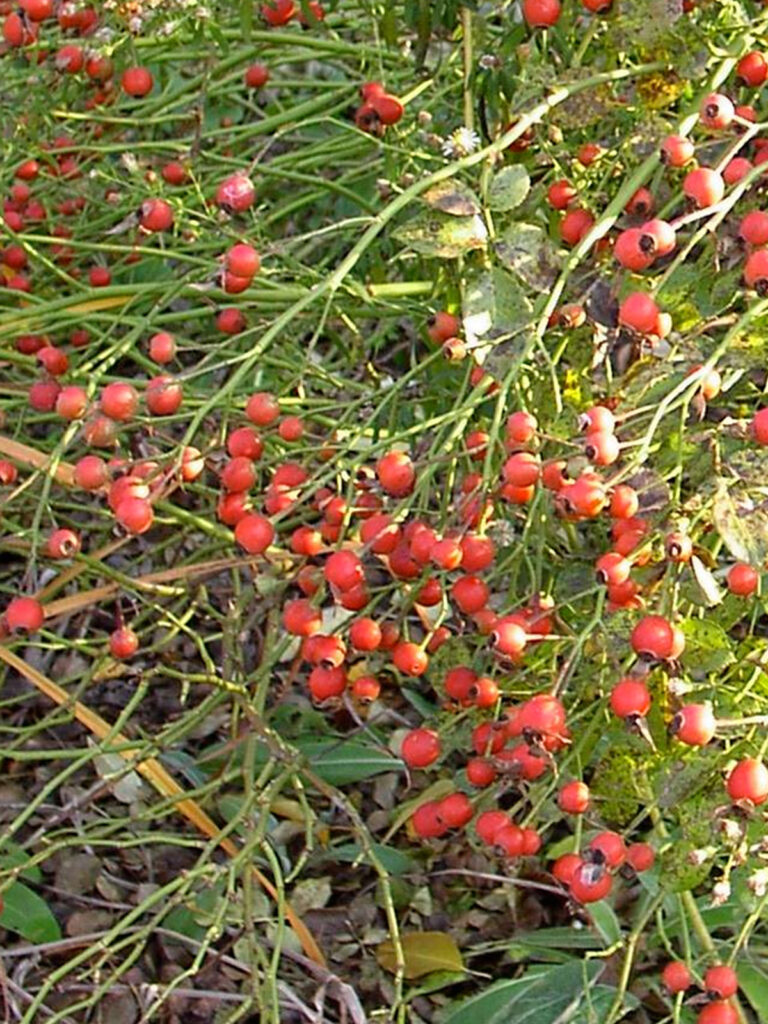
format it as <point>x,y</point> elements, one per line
<point>526,250</point>
<point>453,197</point>
<point>706,582</point>
<point>742,522</point>
<point>707,647</point>
<point>28,914</point>
<point>423,953</point>
<point>494,305</point>
<point>508,188</point>
<point>438,234</point>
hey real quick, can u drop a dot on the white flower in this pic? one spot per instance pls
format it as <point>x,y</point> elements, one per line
<point>461,142</point>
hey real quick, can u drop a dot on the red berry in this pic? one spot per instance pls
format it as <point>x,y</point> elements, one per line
<point>123,643</point>
<point>62,543</point>
<point>164,396</point>
<point>566,866</point>
<point>541,13</point>
<point>245,442</point>
<point>255,533</point>
<point>509,840</point>
<point>743,580</point>
<point>366,689</point>
<point>610,846</point>
<point>72,402</point>
<point>676,977</point>
<point>100,277</point>
<point>573,798</point>
<point>629,250</point>
<point>721,981</point>
<point>443,326</point>
<point>242,260</point>
<point>759,426</point>
<point>754,227</point>
<point>388,108</point>
<point>236,193</point>
<point>590,883</point>
<point>718,1013</point>
<point>641,856</point>
<point>653,638</point>
<point>396,473</point>
<point>256,76</point>
<point>343,569</point>
<point>162,347</point>
<point>427,822</point>
<point>470,594</point>
<point>561,193</point>
<point>134,514</point>
<point>639,312</point>
<point>695,724</point>
<point>737,169</point>
<point>752,69</point>
<point>410,659</point>
<point>278,12</point>
<point>678,547</point>
<point>716,111</point>
<point>456,810</point>
<point>174,173</point>
<point>24,613</point>
<point>480,772</point>
<point>262,408</point>
<point>509,636</point>
<point>489,824</point>
<point>91,473</point>
<point>326,683</point>
<point>137,81</point>
<point>302,618</point>
<point>119,401</point>
<point>748,781</point>
<point>522,469</point>
<point>624,502</point>
<point>420,748</point>
<point>630,697</point>
<point>704,186</point>
<point>601,448</point>
<point>575,225</point>
<point>230,321</point>
<point>156,215</point>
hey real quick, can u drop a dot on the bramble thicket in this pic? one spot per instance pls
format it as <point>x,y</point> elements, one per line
<point>383,459</point>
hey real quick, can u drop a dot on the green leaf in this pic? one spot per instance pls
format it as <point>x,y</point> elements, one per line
<point>340,762</point>
<point>423,953</point>
<point>526,250</point>
<point>452,197</point>
<point>753,982</point>
<point>559,938</point>
<point>741,519</point>
<point>494,305</point>
<point>508,188</point>
<point>392,860</point>
<point>538,997</point>
<point>606,922</point>
<point>28,914</point>
<point>707,647</point>
<point>13,856</point>
<point>439,234</point>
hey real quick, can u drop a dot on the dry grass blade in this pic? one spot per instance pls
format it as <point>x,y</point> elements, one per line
<point>162,782</point>
<point>62,472</point>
